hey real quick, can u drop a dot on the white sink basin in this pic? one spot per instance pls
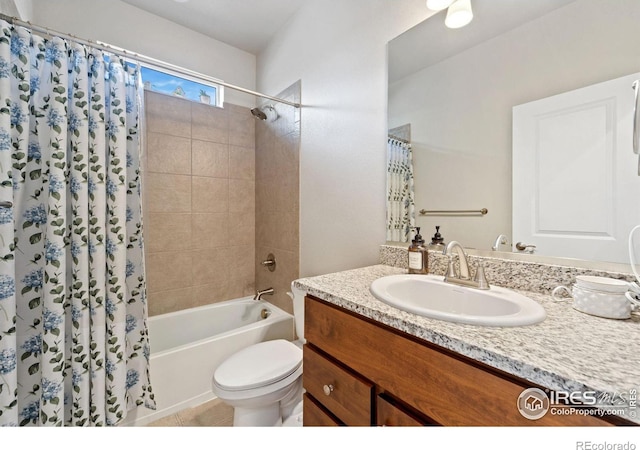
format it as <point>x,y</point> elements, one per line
<point>430,296</point>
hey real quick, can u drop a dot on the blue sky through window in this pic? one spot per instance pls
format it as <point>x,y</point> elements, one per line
<point>167,83</point>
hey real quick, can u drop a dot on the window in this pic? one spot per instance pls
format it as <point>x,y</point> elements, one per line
<point>179,85</point>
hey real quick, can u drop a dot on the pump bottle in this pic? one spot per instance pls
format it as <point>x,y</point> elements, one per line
<point>418,257</point>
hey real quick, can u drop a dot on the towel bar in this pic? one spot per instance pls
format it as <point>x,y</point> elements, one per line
<point>482,212</point>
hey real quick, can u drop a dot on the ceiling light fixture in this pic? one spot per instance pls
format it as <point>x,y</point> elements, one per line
<point>459,14</point>
<point>438,5</point>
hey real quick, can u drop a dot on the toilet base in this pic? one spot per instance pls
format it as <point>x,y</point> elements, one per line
<point>269,410</point>
<point>265,416</point>
<point>283,413</point>
<point>295,418</point>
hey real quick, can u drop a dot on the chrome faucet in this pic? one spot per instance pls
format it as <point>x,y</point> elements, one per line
<point>260,293</point>
<point>463,279</point>
<point>500,240</point>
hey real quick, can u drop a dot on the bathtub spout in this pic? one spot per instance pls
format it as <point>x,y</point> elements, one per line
<point>260,293</point>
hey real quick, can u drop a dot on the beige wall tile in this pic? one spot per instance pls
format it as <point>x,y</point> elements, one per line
<point>287,234</point>
<point>169,271</point>
<point>289,200</point>
<point>224,227</point>
<point>241,260</point>
<point>285,153</point>
<point>242,162</point>
<point>265,154</point>
<point>163,302</point>
<point>280,280</point>
<point>266,228</point>
<point>168,154</point>
<point>167,232</point>
<point>278,230</point>
<point>210,195</point>
<point>168,193</point>
<point>236,109</point>
<point>242,196</point>
<point>277,199</point>
<point>210,230</point>
<point>210,123</point>
<point>168,115</point>
<point>206,294</point>
<point>242,129</point>
<point>210,267</point>
<point>266,192</point>
<point>210,159</point>
<point>285,192</point>
<point>242,229</point>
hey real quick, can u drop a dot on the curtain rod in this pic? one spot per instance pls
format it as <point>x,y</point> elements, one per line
<point>142,58</point>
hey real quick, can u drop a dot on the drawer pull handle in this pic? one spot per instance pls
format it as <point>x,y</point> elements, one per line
<point>328,389</point>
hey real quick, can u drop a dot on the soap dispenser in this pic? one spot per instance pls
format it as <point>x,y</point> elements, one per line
<point>418,257</point>
<point>437,241</point>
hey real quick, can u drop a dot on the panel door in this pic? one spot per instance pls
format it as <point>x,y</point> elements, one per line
<point>576,189</point>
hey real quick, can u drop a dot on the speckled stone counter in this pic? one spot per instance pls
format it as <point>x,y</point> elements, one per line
<point>568,351</point>
<point>514,274</point>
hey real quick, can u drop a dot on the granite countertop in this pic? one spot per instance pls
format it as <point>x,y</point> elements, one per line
<point>568,351</point>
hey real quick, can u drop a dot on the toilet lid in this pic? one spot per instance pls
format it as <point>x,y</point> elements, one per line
<point>258,365</point>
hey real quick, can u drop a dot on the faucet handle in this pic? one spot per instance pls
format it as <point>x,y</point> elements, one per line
<point>480,277</point>
<point>451,270</point>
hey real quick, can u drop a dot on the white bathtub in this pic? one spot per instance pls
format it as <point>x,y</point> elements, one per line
<point>187,346</point>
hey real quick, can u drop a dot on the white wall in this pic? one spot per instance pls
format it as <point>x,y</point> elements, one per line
<point>338,49</point>
<point>120,24</point>
<point>25,9</point>
<point>22,9</point>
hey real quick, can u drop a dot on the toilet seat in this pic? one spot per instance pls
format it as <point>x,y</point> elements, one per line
<point>264,366</point>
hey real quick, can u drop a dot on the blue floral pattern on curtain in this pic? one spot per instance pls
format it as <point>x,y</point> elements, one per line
<point>401,215</point>
<point>74,347</point>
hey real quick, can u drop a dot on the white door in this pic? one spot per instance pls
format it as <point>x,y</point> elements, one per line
<point>576,189</point>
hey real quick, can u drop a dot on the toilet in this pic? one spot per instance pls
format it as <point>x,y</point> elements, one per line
<point>263,382</point>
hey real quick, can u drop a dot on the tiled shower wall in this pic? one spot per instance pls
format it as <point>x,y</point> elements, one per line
<point>277,198</point>
<point>199,188</point>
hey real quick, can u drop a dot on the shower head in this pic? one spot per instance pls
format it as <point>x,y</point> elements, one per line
<point>258,114</point>
<point>267,112</point>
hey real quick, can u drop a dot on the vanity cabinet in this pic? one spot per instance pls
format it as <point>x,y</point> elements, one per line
<point>360,372</point>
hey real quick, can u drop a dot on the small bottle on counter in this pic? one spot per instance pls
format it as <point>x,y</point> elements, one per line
<point>418,257</point>
<point>437,241</point>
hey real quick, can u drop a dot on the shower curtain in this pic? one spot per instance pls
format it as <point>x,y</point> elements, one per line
<point>400,200</point>
<point>74,344</point>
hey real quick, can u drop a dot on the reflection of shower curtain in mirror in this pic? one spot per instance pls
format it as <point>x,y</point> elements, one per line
<point>400,201</point>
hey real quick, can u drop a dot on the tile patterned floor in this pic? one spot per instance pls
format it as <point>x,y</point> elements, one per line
<point>211,414</point>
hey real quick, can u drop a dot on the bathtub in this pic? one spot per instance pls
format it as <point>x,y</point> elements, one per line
<point>187,346</point>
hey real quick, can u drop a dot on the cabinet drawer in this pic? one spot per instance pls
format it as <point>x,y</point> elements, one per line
<point>339,390</point>
<point>313,415</point>
<point>390,413</point>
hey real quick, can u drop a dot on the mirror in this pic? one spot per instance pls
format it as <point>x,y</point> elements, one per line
<point>456,89</point>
